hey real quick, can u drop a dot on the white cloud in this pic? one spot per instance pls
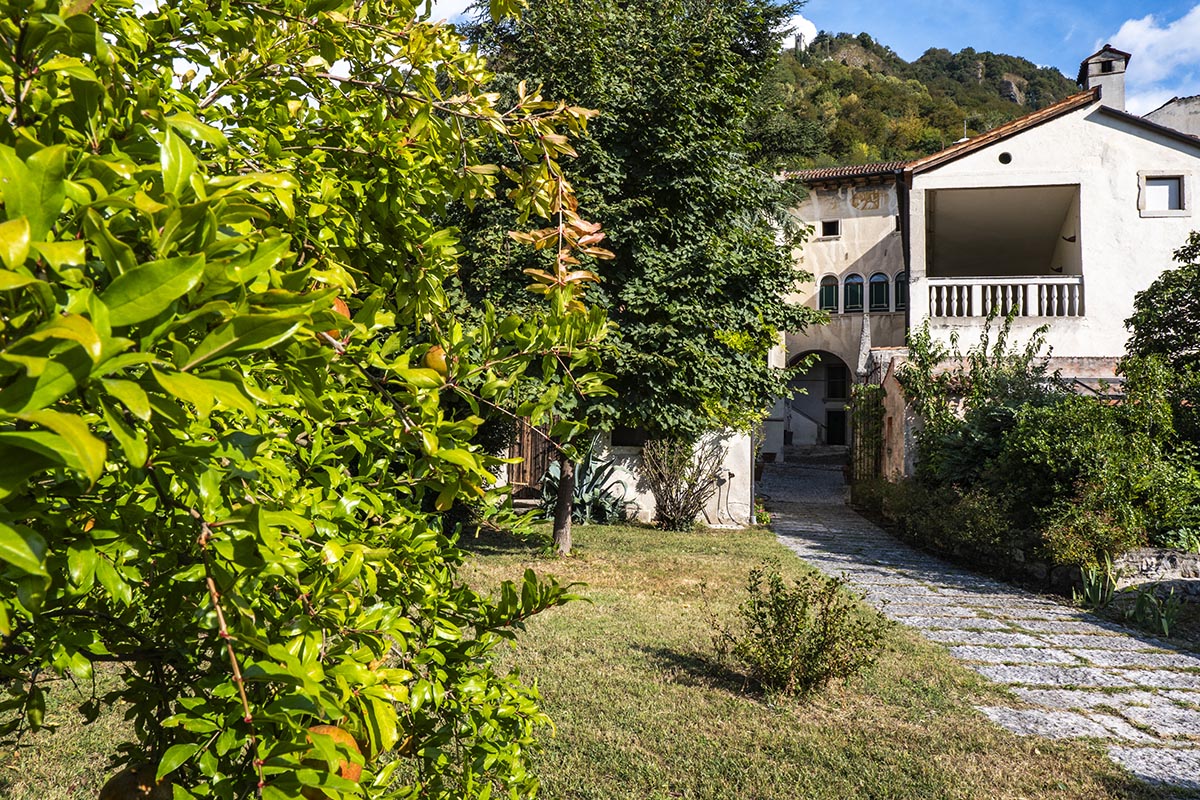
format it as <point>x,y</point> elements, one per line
<point>801,27</point>
<point>449,10</point>
<point>1165,59</point>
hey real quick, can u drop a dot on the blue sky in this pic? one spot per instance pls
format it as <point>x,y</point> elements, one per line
<point>1164,36</point>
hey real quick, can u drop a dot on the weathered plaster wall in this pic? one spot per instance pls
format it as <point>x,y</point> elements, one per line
<point>1182,114</point>
<point>1121,251</point>
<point>733,503</point>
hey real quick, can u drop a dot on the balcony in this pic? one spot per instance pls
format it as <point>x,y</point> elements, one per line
<point>1026,296</point>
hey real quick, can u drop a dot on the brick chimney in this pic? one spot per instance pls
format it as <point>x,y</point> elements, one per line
<point>1106,69</point>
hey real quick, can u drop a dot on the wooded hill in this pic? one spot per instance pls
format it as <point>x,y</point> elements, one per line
<point>848,99</point>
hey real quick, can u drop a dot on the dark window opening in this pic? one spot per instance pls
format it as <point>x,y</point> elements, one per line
<point>852,297</point>
<point>1106,66</point>
<point>901,291</point>
<point>879,292</point>
<point>623,436</point>
<point>831,227</point>
<point>837,382</point>
<point>827,299</point>
<point>1006,158</point>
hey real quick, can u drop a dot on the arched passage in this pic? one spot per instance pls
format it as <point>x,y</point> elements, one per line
<point>817,413</point>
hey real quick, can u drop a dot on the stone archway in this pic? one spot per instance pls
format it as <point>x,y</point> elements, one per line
<point>819,414</point>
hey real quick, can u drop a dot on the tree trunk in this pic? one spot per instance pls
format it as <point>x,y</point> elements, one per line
<point>565,506</point>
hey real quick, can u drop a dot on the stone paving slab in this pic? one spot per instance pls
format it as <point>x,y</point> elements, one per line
<point>951,623</point>
<point>1162,679</point>
<point>1082,676</point>
<point>1168,721</point>
<point>1068,699</point>
<point>1176,768</point>
<point>1125,658</point>
<point>1053,676</point>
<point>1012,655</point>
<point>992,638</point>
<point>1051,724</point>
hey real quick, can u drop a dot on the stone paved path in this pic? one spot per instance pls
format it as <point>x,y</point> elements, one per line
<point>1075,675</point>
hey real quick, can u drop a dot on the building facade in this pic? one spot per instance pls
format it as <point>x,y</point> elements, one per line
<point>1058,219</point>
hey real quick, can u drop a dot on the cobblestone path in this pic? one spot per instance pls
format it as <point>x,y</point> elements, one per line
<point>1075,674</point>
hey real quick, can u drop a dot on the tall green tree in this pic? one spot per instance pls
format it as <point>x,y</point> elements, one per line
<point>703,258</point>
<point>1166,325</point>
<point>235,406</point>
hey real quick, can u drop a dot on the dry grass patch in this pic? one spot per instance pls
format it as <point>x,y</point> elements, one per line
<point>643,711</point>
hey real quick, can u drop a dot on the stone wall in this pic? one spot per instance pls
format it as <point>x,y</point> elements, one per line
<point>1170,569</point>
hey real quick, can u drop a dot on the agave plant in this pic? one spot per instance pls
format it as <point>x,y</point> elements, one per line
<point>596,497</point>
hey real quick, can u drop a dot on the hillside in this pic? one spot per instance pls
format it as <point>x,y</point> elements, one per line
<point>849,99</point>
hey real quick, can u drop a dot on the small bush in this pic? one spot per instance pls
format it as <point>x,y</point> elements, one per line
<point>599,497</point>
<point>795,639</point>
<point>1086,530</point>
<point>681,478</point>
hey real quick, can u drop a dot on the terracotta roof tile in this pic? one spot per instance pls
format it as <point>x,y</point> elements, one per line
<point>852,171</point>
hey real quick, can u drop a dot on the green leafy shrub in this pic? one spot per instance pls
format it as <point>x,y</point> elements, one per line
<point>595,498</point>
<point>795,639</point>
<point>1085,530</point>
<point>233,405</point>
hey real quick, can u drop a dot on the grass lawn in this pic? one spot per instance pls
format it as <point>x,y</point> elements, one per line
<point>642,710</point>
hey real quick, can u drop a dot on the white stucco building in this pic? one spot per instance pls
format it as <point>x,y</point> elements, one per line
<point>1061,217</point>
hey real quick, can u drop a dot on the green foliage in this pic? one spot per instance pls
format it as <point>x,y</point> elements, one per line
<point>849,99</point>
<point>703,252</point>
<point>1099,583</point>
<point>1156,614</point>
<point>1166,325</point>
<point>595,499</point>
<point>682,478</point>
<point>1085,478</point>
<point>233,403</point>
<point>796,639</point>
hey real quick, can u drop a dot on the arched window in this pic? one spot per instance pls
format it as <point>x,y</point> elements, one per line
<point>878,292</point>
<point>827,300</point>
<point>852,293</point>
<point>901,291</point>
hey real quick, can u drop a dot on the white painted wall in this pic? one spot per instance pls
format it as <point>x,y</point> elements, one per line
<point>731,506</point>
<point>1121,251</point>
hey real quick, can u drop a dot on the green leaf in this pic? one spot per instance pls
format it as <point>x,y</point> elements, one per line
<point>74,328</point>
<point>174,758</point>
<point>194,129</point>
<point>14,242</point>
<point>421,377</point>
<point>131,395</point>
<point>133,442</point>
<point>17,465</point>
<point>178,164</point>
<point>58,375</point>
<point>34,188</point>
<point>88,450</point>
<point>147,290</point>
<point>14,280</point>
<point>81,563</point>
<point>112,582</point>
<point>24,548</point>
<point>187,388</point>
<point>60,254</point>
<point>248,333</point>
<point>70,66</point>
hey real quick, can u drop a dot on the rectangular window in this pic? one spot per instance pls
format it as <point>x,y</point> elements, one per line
<point>853,296</point>
<point>879,295</point>
<point>1164,194</point>
<point>831,228</point>
<point>837,382</point>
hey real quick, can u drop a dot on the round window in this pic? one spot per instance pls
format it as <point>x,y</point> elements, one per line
<point>1006,158</point>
